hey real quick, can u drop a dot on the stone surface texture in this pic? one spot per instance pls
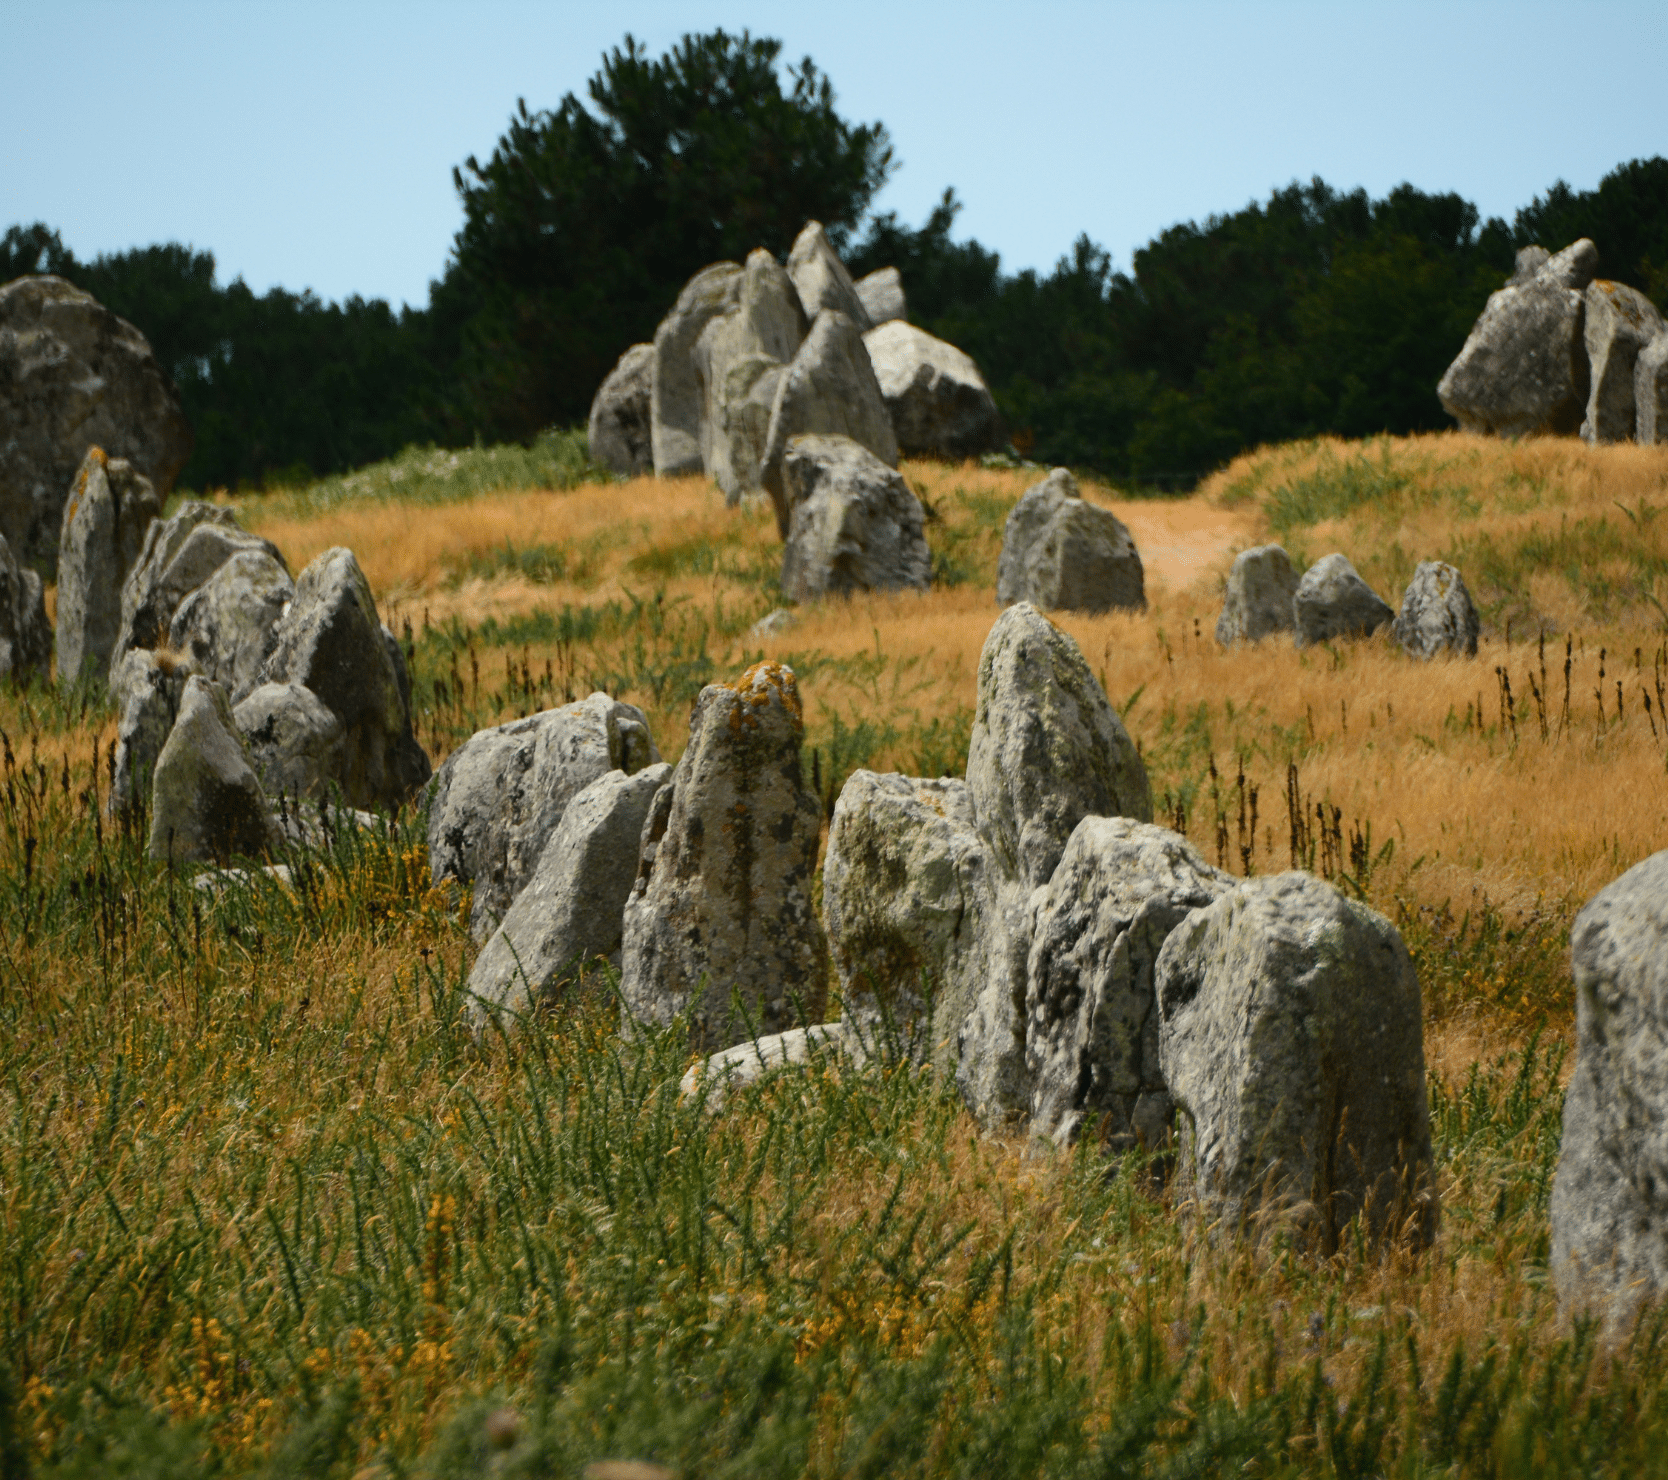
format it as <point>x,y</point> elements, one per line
<point>1620,322</point>
<point>206,802</point>
<point>1258,601</point>
<point>882,295</point>
<point>619,432</point>
<point>746,1063</point>
<point>821,278</point>
<point>675,391</point>
<point>939,403</point>
<point>1437,615</point>
<point>1064,554</point>
<point>25,633</point>
<point>228,625</point>
<point>1650,392</point>
<point>294,740</point>
<point>1332,601</point>
<point>146,688</point>
<point>1530,260</point>
<point>110,506</point>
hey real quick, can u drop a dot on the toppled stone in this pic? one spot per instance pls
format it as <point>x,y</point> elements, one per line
<point>829,388</point>
<point>882,295</point>
<point>822,280</point>
<point>1437,613</point>
<point>1620,322</point>
<point>499,797</point>
<point>619,433</point>
<point>1333,601</point>
<point>1289,1036</point>
<point>25,633</point>
<point>1650,392</point>
<point>294,740</point>
<point>228,625</point>
<point>939,403</point>
<point>720,923</point>
<point>571,910</point>
<point>1063,554</point>
<point>853,524</point>
<point>1258,600</point>
<point>675,392</point>
<point>206,802</point>
<point>75,376</point>
<point>1609,1211</point>
<point>110,506</point>
<point>747,1063</point>
<point>146,687</point>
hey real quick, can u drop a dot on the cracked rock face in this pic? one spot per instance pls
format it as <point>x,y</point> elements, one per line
<point>111,505</point>
<point>228,625</point>
<point>1620,323</point>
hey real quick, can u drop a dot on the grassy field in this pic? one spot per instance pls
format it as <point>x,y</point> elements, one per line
<point>266,1208</point>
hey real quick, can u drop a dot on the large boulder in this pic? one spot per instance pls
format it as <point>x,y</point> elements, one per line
<point>25,633</point>
<point>1609,1210</point>
<point>1333,601</point>
<point>1258,601</point>
<point>720,922</point>
<point>882,295</point>
<point>499,797</point>
<point>829,388</point>
<point>1620,322</point>
<point>854,525</point>
<point>572,910</point>
<point>331,641</point>
<point>206,802</point>
<point>1650,392</point>
<point>821,278</point>
<point>294,738</point>
<point>1437,613</point>
<point>675,391</point>
<point>74,376</point>
<point>1091,1041</point>
<point>228,625</point>
<point>111,504</point>
<point>146,687</point>
<point>939,403</point>
<point>1524,367</point>
<point>1063,554</point>
<point>619,433</point>
<point>1289,1036</point>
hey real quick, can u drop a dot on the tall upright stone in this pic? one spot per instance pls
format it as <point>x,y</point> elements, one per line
<point>675,390</point>
<point>619,433</point>
<point>1258,600</point>
<point>207,802</point>
<point>1062,553</point>
<point>822,280</point>
<point>1620,322</point>
<point>110,506</point>
<point>25,633</point>
<point>1650,392</point>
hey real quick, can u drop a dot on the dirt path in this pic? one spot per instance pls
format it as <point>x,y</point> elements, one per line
<point>1186,542</point>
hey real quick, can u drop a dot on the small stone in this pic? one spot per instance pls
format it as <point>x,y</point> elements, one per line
<point>1332,601</point>
<point>774,624</point>
<point>620,431</point>
<point>747,1063</point>
<point>1258,600</point>
<point>1063,554</point>
<point>1437,614</point>
<point>206,803</point>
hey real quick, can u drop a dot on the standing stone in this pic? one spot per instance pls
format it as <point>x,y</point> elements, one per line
<point>294,740</point>
<point>74,376</point>
<point>1333,601</point>
<point>110,506</point>
<point>228,625</point>
<point>500,796</point>
<point>675,392</point>
<point>1609,1208</point>
<point>25,633</point>
<point>1620,322</point>
<point>147,688</point>
<point>830,388</point>
<point>1650,392</point>
<point>721,909</point>
<point>1258,600</point>
<point>1289,1037</point>
<point>620,432</point>
<point>1530,260</point>
<point>822,280</point>
<point>572,909</point>
<point>939,403</point>
<point>882,296</point>
<point>1063,554</point>
<point>854,524</point>
<point>1092,1035</point>
<point>206,802</point>
<point>1437,614</point>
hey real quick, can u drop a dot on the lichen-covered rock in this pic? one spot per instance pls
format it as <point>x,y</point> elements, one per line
<point>1437,614</point>
<point>25,633</point>
<point>1609,1208</point>
<point>146,688</point>
<point>1063,554</point>
<point>853,523</point>
<point>206,802</point>
<point>1620,322</point>
<point>1650,392</point>
<point>675,391</point>
<point>620,431</point>
<point>720,922</point>
<point>1092,1032</point>
<point>110,506</point>
<point>939,403</point>
<point>1333,601</point>
<point>499,797</point>
<point>1258,601</point>
<point>294,740</point>
<point>228,625</point>
<point>829,388</point>
<point>821,278</point>
<point>572,909</point>
<point>1047,750</point>
<point>882,295</point>
<point>74,376</point>
<point>1289,1037</point>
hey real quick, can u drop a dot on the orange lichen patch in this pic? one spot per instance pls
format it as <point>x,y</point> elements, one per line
<point>767,679</point>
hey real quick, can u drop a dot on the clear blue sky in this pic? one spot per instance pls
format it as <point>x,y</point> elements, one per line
<point>311,145</point>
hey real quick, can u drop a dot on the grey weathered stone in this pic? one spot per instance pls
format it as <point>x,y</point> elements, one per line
<point>1289,1036</point>
<point>25,633</point>
<point>853,523</point>
<point>294,739</point>
<point>1091,1042</point>
<point>1333,601</point>
<point>722,903</point>
<point>572,908</point>
<point>74,376</point>
<point>619,433</point>
<point>146,688</point>
<point>1258,601</point>
<point>773,624</point>
<point>821,278</point>
<point>1437,613</point>
<point>1530,260</point>
<point>499,797</point>
<point>1650,392</point>
<point>1620,322</point>
<point>330,640</point>
<point>1609,1210</point>
<point>829,388</point>
<point>206,802</point>
<point>1063,554</point>
<point>675,391</point>
<point>882,295</point>
<point>110,506</point>
<point>1573,268</point>
<point>939,403</point>
<point>229,623</point>
<point>747,1063</point>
